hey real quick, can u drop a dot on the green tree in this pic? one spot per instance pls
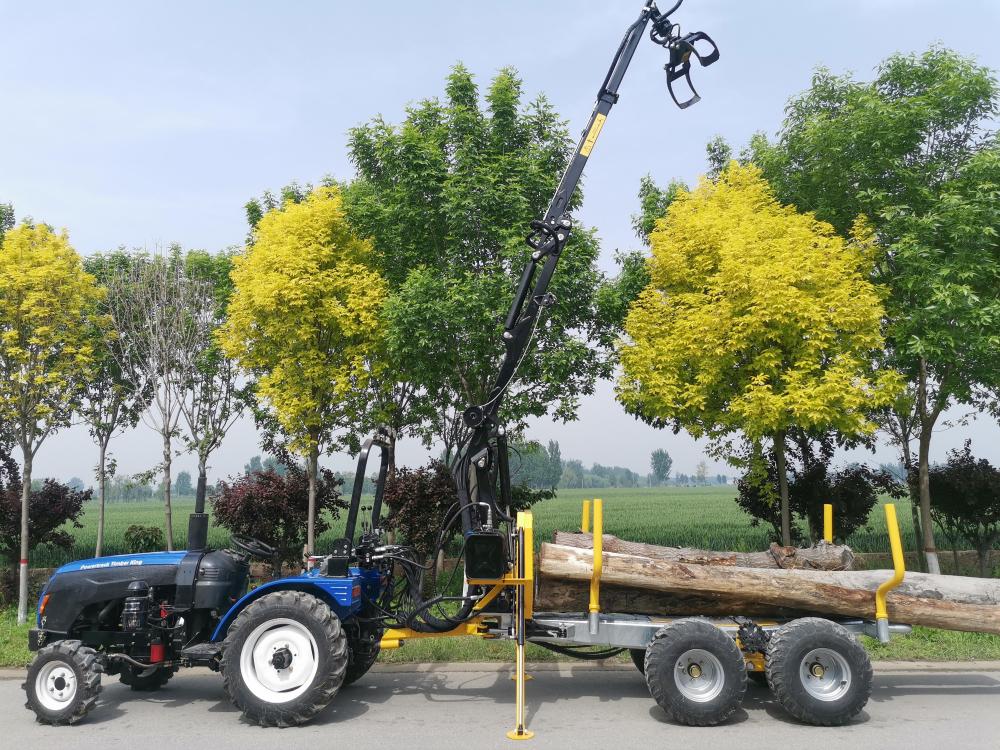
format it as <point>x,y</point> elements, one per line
<point>758,319</point>
<point>47,302</point>
<point>555,465</point>
<point>183,485</point>
<point>913,151</point>
<point>303,322</point>
<point>6,219</point>
<point>446,197</point>
<point>660,462</point>
<point>113,399</point>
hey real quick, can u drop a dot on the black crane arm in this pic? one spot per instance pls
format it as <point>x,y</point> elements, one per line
<point>481,462</point>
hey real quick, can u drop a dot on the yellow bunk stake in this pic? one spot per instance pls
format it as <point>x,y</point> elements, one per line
<point>828,523</point>
<point>525,571</point>
<point>598,567</point>
<point>585,522</point>
<point>899,571</point>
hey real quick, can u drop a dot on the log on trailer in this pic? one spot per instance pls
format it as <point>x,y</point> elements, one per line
<point>950,602</point>
<point>822,556</point>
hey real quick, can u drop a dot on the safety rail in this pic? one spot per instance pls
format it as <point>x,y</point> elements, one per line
<point>899,572</point>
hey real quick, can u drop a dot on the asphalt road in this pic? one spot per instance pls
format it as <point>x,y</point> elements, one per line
<point>567,707</point>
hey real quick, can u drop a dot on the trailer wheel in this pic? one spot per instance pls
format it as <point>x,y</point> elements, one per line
<point>695,672</point>
<point>146,680</point>
<point>638,658</point>
<point>284,659</point>
<point>62,683</point>
<point>818,672</point>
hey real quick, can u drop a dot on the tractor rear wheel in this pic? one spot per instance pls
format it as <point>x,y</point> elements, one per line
<point>63,681</point>
<point>695,672</point>
<point>284,659</point>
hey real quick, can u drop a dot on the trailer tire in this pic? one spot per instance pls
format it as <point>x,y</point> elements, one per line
<point>695,672</point>
<point>262,648</point>
<point>146,680</point>
<point>63,682</point>
<point>818,672</point>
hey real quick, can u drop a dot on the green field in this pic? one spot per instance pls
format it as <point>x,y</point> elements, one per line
<point>704,517</point>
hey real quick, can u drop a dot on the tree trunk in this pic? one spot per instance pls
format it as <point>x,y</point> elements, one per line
<point>102,482</point>
<point>202,490</point>
<point>950,602</point>
<point>930,551</point>
<point>786,515</point>
<point>927,419</point>
<point>391,450</point>
<point>819,557</point>
<point>312,466</point>
<point>22,583</point>
<point>167,512</point>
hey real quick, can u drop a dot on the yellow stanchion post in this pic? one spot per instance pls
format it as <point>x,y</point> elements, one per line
<point>828,523</point>
<point>595,578</point>
<point>519,732</point>
<point>899,571</point>
<point>585,521</point>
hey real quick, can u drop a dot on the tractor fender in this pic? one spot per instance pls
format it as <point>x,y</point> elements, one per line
<point>341,594</point>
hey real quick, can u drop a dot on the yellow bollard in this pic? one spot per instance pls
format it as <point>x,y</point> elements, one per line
<point>585,522</point>
<point>899,571</point>
<point>828,523</point>
<point>595,578</point>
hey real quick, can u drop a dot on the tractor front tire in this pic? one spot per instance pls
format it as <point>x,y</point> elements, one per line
<point>63,682</point>
<point>284,659</point>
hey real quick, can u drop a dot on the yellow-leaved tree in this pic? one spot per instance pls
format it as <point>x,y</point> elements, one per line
<point>303,321</point>
<point>47,307</point>
<point>757,319</point>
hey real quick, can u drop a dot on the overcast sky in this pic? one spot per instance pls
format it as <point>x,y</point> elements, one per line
<point>143,124</point>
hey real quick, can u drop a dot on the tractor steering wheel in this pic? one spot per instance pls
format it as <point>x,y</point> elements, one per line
<point>252,547</point>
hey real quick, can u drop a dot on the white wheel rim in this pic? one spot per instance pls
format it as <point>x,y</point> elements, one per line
<point>55,685</point>
<point>262,677</point>
<point>698,675</point>
<point>825,674</point>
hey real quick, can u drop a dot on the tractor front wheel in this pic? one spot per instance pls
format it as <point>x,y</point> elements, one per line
<point>63,682</point>
<point>284,659</point>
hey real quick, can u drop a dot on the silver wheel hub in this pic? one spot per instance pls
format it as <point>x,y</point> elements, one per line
<point>279,660</point>
<point>825,674</point>
<point>56,685</point>
<point>698,675</point>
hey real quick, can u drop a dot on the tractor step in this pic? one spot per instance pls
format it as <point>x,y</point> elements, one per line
<point>202,655</point>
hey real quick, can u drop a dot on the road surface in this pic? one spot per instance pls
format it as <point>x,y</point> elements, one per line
<point>567,707</point>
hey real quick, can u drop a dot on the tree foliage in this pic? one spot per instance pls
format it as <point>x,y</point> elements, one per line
<point>966,495</point>
<point>274,508</point>
<point>660,463</point>
<point>303,321</point>
<point>757,319</point>
<point>447,196</point>
<point>913,151</point>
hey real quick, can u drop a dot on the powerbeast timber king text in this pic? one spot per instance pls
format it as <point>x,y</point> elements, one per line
<point>285,648</point>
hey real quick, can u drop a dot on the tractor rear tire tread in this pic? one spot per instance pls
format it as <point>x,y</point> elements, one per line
<point>331,643</point>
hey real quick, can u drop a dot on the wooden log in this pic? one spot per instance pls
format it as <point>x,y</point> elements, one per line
<point>822,556</point>
<point>950,602</point>
<point>561,595</point>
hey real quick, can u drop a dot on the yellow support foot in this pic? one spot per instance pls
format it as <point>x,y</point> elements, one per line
<point>520,734</point>
<point>526,677</point>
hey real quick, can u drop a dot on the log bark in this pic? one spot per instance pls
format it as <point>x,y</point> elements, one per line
<point>822,556</point>
<point>951,602</point>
